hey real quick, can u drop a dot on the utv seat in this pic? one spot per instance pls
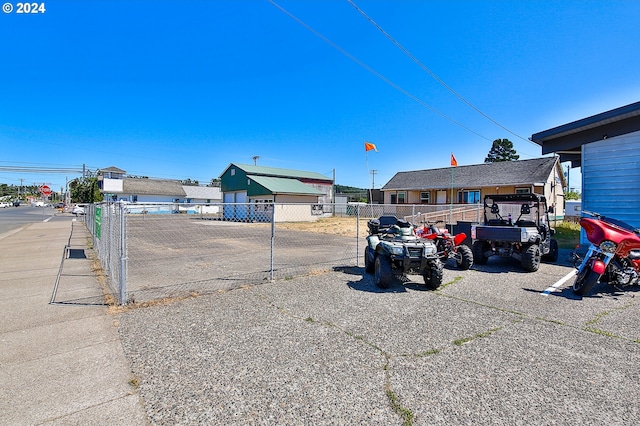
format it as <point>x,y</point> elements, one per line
<point>526,224</point>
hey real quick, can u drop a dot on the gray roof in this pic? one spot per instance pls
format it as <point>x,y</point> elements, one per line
<point>524,172</point>
<point>112,169</point>
<point>277,185</point>
<point>202,192</point>
<point>567,139</point>
<point>153,187</point>
<point>276,172</point>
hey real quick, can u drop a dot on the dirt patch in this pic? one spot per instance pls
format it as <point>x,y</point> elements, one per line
<point>342,226</point>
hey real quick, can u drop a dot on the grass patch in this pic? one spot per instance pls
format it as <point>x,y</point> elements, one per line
<point>567,234</point>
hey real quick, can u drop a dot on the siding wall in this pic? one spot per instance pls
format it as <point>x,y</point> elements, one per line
<point>611,177</point>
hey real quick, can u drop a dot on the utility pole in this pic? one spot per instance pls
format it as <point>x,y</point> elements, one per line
<point>373,179</point>
<point>255,159</point>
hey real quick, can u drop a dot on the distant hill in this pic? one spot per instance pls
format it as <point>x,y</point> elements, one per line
<point>344,189</point>
<point>353,193</point>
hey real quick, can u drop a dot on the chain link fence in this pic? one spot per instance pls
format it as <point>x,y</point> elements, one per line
<point>164,250</point>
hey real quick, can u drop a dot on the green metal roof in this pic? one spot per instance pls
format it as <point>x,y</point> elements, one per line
<point>278,185</point>
<point>276,172</point>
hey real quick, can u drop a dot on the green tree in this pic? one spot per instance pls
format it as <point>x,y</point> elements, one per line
<point>85,191</point>
<point>501,150</point>
<point>189,182</point>
<point>572,195</point>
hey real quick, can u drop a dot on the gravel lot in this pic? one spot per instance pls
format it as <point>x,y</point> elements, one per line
<point>486,348</point>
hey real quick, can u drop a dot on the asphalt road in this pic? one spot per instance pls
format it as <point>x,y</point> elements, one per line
<point>492,346</point>
<point>12,218</point>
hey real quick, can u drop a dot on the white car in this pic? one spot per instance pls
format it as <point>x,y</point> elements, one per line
<point>77,210</point>
<point>40,204</point>
<point>4,205</point>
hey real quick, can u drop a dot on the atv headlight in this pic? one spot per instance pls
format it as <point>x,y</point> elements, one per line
<point>608,246</point>
<point>429,249</point>
<point>397,250</point>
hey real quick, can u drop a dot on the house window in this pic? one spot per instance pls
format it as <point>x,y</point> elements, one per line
<point>394,199</point>
<point>134,198</point>
<point>233,172</point>
<point>425,197</point>
<point>469,197</point>
<point>523,190</point>
<point>402,197</point>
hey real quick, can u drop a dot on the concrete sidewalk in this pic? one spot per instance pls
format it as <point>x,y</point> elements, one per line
<point>61,359</point>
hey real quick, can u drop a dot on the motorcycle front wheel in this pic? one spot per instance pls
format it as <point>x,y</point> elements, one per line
<point>585,281</point>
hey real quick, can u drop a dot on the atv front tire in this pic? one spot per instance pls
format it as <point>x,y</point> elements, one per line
<point>383,273</point>
<point>368,263</point>
<point>433,275</point>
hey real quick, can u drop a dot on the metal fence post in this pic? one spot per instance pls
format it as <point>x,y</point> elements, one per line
<point>357,235</point>
<point>273,234</point>
<point>123,257</point>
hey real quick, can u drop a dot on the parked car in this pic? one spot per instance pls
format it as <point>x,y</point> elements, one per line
<point>4,205</point>
<point>16,203</point>
<point>78,210</point>
<point>40,204</point>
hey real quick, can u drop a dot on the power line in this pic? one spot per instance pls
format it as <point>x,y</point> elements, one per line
<point>374,72</point>
<point>438,79</point>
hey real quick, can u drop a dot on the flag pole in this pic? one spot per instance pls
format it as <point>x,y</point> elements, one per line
<point>454,163</point>
<point>451,199</point>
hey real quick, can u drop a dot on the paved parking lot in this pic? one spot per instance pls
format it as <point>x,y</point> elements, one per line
<point>488,347</point>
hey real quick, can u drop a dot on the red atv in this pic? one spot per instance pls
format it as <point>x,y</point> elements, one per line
<point>449,246</point>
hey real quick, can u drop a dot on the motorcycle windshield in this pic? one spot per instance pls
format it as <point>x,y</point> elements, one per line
<point>620,224</point>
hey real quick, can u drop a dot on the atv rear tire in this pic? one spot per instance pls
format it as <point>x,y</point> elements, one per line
<point>433,275</point>
<point>531,258</point>
<point>383,273</point>
<point>464,257</point>
<point>478,249</point>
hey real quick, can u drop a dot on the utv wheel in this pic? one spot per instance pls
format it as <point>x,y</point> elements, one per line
<point>585,281</point>
<point>531,258</point>
<point>368,264</point>
<point>383,272</point>
<point>433,275</point>
<point>464,257</point>
<point>552,256</point>
<point>478,249</point>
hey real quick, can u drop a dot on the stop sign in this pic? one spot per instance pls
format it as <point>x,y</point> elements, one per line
<point>45,190</point>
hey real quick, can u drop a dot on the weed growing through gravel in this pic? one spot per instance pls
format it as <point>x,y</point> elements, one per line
<point>406,414</point>
<point>445,285</point>
<point>134,382</point>
<point>460,342</point>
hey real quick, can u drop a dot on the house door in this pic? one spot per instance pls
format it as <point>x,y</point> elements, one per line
<point>441,197</point>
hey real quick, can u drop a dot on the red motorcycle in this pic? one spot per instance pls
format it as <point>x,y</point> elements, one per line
<point>613,257</point>
<point>449,246</point>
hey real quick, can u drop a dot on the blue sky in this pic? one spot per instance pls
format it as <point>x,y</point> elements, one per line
<point>180,89</point>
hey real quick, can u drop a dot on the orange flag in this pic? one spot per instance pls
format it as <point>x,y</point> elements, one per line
<point>454,162</point>
<point>368,146</point>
